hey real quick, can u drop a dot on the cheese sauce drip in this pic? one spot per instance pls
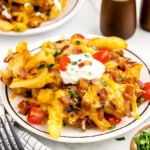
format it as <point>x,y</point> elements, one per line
<point>82,66</point>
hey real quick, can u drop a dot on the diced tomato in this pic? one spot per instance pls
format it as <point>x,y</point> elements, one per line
<point>24,107</point>
<point>102,55</point>
<point>35,115</point>
<point>146,88</point>
<point>112,119</point>
<point>77,35</point>
<point>63,62</point>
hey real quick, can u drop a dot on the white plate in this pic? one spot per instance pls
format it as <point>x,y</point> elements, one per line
<point>71,9</point>
<point>71,135</point>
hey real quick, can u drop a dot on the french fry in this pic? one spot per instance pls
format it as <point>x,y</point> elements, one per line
<point>6,25</point>
<point>55,119</point>
<point>109,42</point>
<point>38,82</point>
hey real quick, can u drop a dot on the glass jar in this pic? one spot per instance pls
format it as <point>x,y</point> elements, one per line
<point>118,18</point>
<point>145,15</point>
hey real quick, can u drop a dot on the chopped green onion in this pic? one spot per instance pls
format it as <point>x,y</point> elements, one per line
<point>57,52</point>
<point>74,63</point>
<point>47,14</point>
<point>73,94</point>
<point>41,66</point>
<point>79,60</point>
<point>140,100</point>
<point>72,69</point>
<point>121,78</point>
<point>76,100</point>
<point>18,29</point>
<point>70,108</point>
<point>86,55</point>
<point>104,83</point>
<point>78,42</point>
<point>89,73</point>
<point>50,66</point>
<point>112,127</point>
<point>120,138</point>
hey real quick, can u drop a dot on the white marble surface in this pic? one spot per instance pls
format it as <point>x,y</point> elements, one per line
<point>86,21</point>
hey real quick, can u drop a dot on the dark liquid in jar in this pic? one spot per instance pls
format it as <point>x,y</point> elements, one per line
<point>118,18</point>
<point>145,15</point>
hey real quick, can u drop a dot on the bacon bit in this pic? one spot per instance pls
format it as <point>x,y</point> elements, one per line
<point>67,100</point>
<point>72,87</point>
<point>127,64</point>
<point>139,93</point>
<point>80,92</point>
<point>115,76</point>
<point>86,104</point>
<point>85,123</point>
<point>85,63</point>
<point>127,95</point>
<point>76,51</point>
<point>128,80</point>
<point>119,52</point>
<point>130,90</point>
<point>108,70</point>
<point>59,41</point>
<point>6,81</point>
<point>64,47</point>
<point>81,64</point>
<point>22,73</point>
<point>9,57</point>
<point>139,82</point>
<point>100,114</point>
<point>96,81</point>
<point>112,104</point>
<point>134,81</point>
<point>127,107</point>
<point>102,93</point>
<point>115,59</point>
<point>44,4</point>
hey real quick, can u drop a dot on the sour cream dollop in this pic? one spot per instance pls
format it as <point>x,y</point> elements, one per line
<point>82,66</point>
